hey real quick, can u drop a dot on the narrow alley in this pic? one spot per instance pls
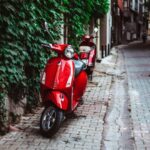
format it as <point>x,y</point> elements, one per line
<point>118,125</point>
<point>75,75</point>
<point>137,60</point>
<point>115,114</point>
<point>128,116</point>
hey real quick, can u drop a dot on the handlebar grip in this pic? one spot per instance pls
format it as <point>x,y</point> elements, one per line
<point>46,45</point>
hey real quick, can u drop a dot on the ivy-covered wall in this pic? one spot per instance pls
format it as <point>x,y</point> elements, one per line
<point>21,33</point>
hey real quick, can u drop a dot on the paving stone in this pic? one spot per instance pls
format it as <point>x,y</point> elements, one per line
<point>117,127</point>
<point>122,91</point>
<point>83,132</point>
<point>139,87</point>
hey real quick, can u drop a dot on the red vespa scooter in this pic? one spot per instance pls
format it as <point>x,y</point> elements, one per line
<point>63,83</point>
<point>87,51</point>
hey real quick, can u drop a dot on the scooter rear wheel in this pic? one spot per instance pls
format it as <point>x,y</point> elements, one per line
<point>50,121</point>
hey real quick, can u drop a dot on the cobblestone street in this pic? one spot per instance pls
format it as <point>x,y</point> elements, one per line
<point>137,58</point>
<point>128,116</point>
<point>118,126</point>
<point>115,114</point>
<point>83,131</point>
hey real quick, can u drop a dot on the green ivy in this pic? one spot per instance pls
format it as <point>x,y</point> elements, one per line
<point>21,28</point>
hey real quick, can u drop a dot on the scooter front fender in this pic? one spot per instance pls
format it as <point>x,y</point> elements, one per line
<point>59,99</point>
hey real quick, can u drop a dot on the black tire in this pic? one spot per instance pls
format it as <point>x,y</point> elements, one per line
<point>50,121</point>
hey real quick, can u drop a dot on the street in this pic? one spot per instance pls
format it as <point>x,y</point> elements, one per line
<point>128,116</point>
<point>115,114</point>
<point>118,124</point>
<point>137,60</point>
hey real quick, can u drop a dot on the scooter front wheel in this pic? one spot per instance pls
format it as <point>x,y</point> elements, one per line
<point>50,121</point>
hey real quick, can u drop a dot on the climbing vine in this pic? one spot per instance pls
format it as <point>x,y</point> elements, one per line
<point>21,35</point>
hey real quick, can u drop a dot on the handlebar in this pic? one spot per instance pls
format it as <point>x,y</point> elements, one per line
<point>55,47</point>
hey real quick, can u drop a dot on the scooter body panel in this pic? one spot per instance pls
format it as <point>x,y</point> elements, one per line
<point>80,85</point>
<point>59,99</point>
<point>59,74</point>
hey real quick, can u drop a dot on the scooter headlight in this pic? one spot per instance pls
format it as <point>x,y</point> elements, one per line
<point>69,52</point>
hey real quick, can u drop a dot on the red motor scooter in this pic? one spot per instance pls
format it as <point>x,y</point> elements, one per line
<point>63,83</point>
<point>87,51</point>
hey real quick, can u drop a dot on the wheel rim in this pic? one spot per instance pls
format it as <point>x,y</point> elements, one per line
<point>49,119</point>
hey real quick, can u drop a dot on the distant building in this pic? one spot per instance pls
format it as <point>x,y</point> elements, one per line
<point>130,20</point>
<point>149,24</point>
<point>116,9</point>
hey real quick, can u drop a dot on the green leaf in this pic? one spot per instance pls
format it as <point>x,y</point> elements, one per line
<point>21,26</point>
<point>3,69</point>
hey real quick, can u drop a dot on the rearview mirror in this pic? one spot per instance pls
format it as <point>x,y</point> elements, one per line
<point>46,26</point>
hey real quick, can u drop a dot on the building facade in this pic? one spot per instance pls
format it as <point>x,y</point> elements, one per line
<point>130,20</point>
<point>149,24</point>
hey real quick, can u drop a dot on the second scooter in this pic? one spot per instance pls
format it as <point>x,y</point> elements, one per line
<point>87,51</point>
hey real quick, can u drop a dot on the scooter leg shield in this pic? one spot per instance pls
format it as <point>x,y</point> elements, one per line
<point>59,99</point>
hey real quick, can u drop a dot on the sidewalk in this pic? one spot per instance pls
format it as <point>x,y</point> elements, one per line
<point>127,121</point>
<point>82,132</point>
<point>115,114</point>
<point>117,134</point>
